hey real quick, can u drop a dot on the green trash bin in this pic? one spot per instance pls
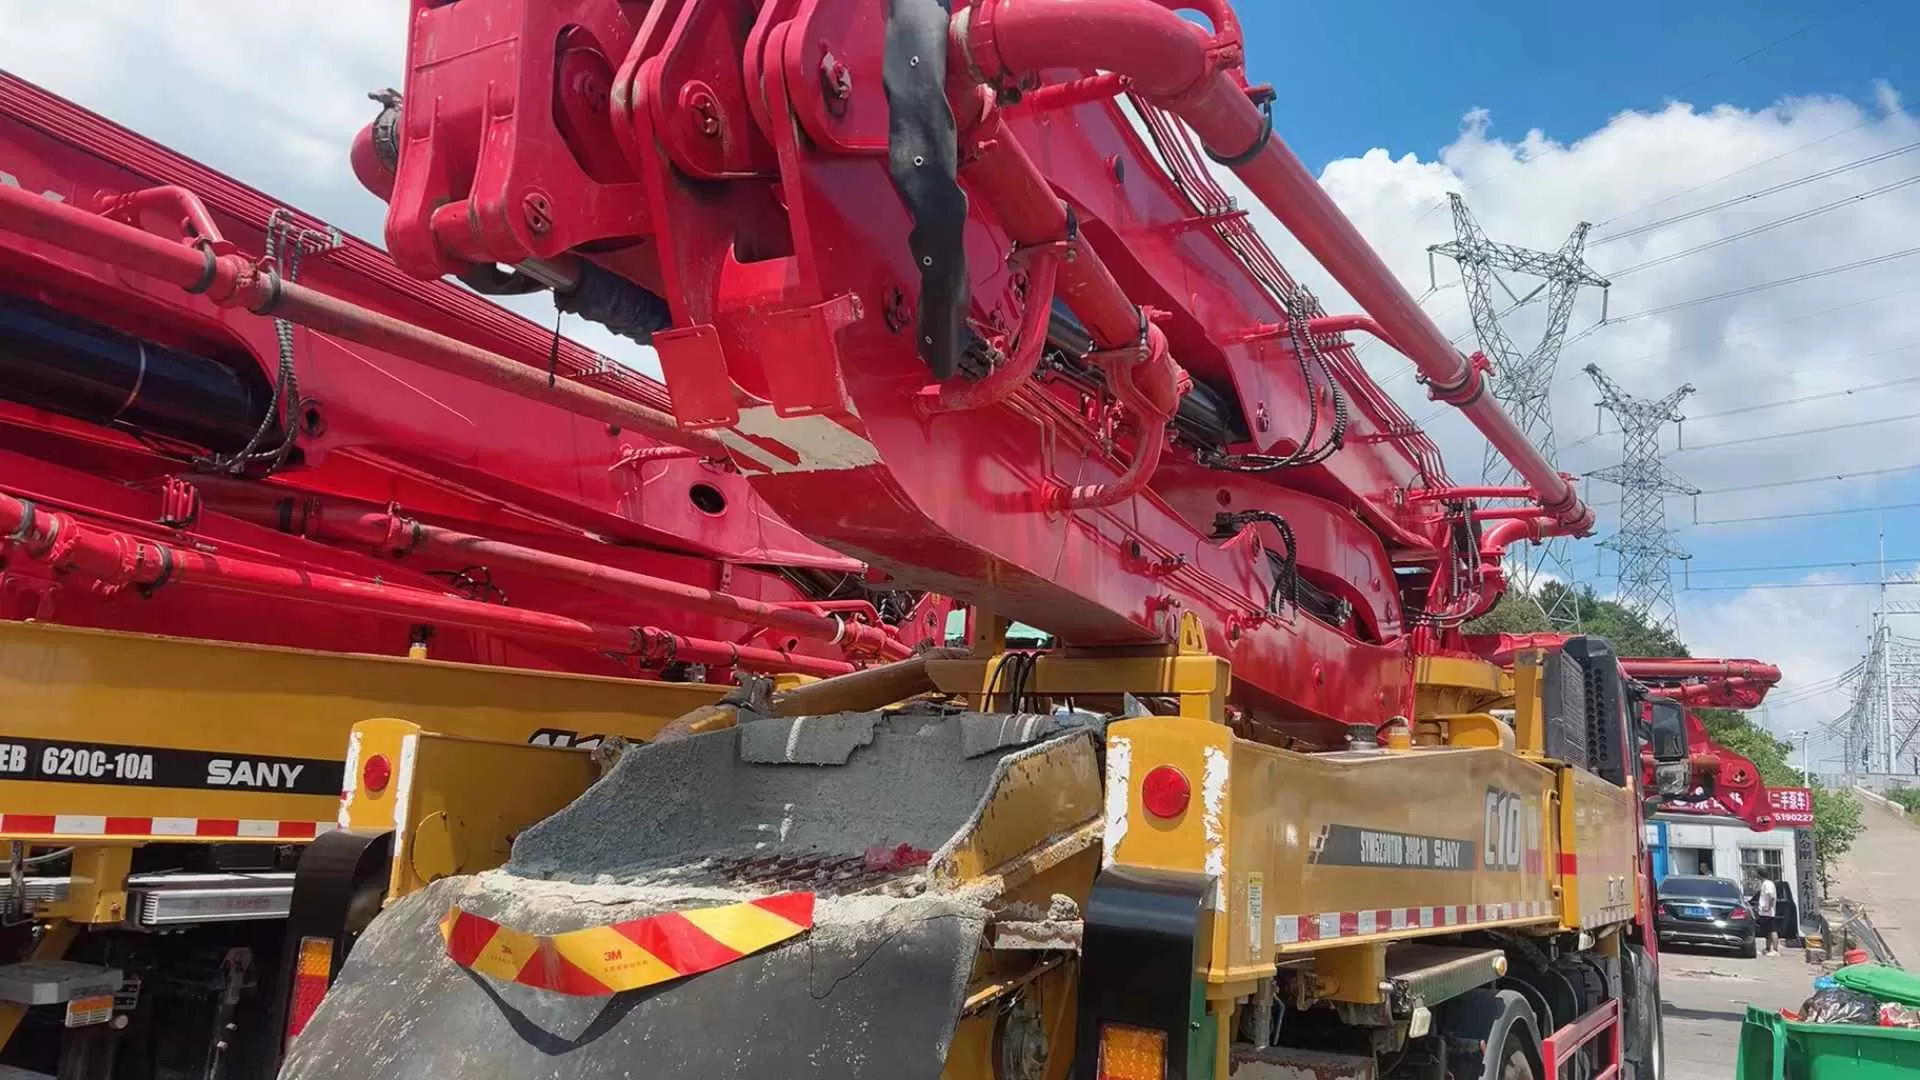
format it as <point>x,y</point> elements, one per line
<point>1775,1048</point>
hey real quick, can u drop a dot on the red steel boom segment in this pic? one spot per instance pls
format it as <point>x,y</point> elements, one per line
<point>99,493</point>
<point>732,181</point>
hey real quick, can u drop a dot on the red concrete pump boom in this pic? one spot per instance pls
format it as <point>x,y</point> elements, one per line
<point>169,465</point>
<point>1726,782</point>
<point>950,287</point>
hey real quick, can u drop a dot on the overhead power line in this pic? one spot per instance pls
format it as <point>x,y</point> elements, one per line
<point>1858,264</point>
<point>1768,47</point>
<point>1803,691</point>
<point>1783,585</point>
<point>1765,485</point>
<point>1750,439</point>
<point>1782,567</point>
<point>1824,395</point>
<point>1774,189</point>
<point>1749,167</point>
<point>1801,514</point>
<point>1769,226</point>
<point>1757,331</point>
<point>1830,478</point>
<point>1762,406</point>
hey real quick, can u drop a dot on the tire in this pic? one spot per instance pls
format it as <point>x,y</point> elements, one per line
<point>1517,1066</point>
<point>1750,948</point>
<point>1492,1036</point>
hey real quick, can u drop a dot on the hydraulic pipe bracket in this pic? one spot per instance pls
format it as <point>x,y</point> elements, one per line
<point>1043,266</point>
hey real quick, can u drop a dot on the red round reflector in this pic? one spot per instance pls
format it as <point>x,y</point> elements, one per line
<point>1165,792</point>
<point>375,773</point>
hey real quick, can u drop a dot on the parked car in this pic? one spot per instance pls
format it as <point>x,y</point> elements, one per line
<point>1705,911</point>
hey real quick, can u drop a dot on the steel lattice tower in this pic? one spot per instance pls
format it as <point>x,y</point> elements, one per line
<point>1645,547</point>
<point>1880,731</point>
<point>1523,384</point>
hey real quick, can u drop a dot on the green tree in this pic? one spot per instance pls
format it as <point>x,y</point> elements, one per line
<point>1908,798</point>
<point>1624,628</point>
<point>1514,614</point>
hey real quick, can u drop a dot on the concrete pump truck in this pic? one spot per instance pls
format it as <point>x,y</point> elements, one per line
<point>951,286</point>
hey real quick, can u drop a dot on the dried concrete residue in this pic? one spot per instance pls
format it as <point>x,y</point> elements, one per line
<point>669,806</point>
<point>1119,790</point>
<point>870,993</point>
<point>1213,805</point>
<point>986,733</point>
<point>806,740</point>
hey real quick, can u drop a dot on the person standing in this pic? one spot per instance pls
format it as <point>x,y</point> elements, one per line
<point>1765,903</point>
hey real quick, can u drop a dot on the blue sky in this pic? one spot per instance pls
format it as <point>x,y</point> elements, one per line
<point>1401,73</point>
<point>1402,76</point>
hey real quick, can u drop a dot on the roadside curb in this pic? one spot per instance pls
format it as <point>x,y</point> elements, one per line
<point>1881,799</point>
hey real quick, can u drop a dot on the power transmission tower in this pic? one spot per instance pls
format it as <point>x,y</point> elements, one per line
<point>1523,384</point>
<point>1880,731</point>
<point>1645,547</point>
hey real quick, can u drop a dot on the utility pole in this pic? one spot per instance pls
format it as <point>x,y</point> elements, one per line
<point>1806,762</point>
<point>1644,544</point>
<point>1523,384</point>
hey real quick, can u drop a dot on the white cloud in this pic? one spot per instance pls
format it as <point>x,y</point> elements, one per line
<point>1826,335</point>
<point>1763,347</point>
<point>269,93</point>
<point>1812,633</point>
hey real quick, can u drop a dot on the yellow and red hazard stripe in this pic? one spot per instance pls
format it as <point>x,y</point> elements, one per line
<point>599,960</point>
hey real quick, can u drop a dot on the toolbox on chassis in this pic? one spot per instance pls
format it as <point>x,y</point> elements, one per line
<point>1137,895</point>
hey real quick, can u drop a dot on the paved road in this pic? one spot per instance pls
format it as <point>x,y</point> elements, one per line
<point>1879,872</point>
<point>1704,997</point>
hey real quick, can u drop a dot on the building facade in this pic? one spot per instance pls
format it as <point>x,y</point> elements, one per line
<point>1721,848</point>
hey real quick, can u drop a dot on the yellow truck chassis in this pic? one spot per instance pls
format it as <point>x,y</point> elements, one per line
<point>1158,916</point>
<point>158,790</point>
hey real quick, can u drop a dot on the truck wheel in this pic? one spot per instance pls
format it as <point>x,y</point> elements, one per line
<point>1517,1066</point>
<point>1493,1035</point>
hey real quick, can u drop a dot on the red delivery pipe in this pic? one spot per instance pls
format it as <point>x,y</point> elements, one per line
<point>392,534</point>
<point>118,560</point>
<point>1494,542</point>
<point>232,281</point>
<point>1175,63</point>
<point>1133,351</point>
<point>1654,668</point>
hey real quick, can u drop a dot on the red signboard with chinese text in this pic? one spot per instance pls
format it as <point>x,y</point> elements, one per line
<point>1792,807</point>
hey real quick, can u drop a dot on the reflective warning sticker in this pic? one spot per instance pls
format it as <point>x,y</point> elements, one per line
<point>87,1011</point>
<point>599,960</point>
<point>1256,910</point>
